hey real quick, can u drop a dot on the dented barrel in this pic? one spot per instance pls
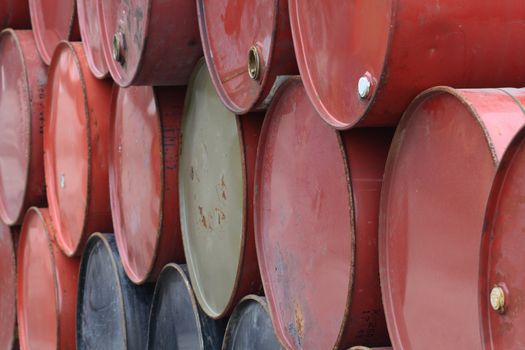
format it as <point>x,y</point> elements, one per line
<point>8,336</point>
<point>89,21</point>
<point>144,164</point>
<point>176,320</point>
<point>437,182</point>
<point>46,287</point>
<point>15,14</point>
<point>22,93</point>
<point>216,174</point>
<point>76,144</point>
<point>316,216</point>
<point>362,62</point>
<point>150,42</point>
<point>112,312</point>
<point>248,48</point>
<point>250,327</point>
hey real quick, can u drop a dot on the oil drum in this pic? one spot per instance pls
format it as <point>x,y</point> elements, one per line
<point>53,21</point>
<point>316,203</point>
<point>76,147</point>
<point>144,164</point>
<point>176,320</point>
<point>90,25</point>
<point>437,181</point>
<point>216,172</point>
<point>250,326</point>
<point>362,62</point>
<point>46,287</point>
<point>22,92</point>
<point>15,14</point>
<point>8,290</point>
<point>150,42</point>
<point>248,47</point>
<point>112,312</point>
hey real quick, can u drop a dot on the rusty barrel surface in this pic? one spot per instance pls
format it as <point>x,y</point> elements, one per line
<point>150,42</point>
<point>250,327</point>
<point>89,21</point>
<point>46,287</point>
<point>144,164</point>
<point>176,320</point>
<point>216,174</point>
<point>362,62</point>
<point>76,147</point>
<point>248,48</point>
<point>14,14</point>
<point>316,216</point>
<point>8,289</point>
<point>53,21</point>
<point>21,123</point>
<point>437,182</point>
<point>112,312</point>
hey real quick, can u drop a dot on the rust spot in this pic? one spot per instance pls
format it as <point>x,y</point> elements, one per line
<point>299,321</point>
<point>203,217</point>
<point>222,188</point>
<point>220,215</point>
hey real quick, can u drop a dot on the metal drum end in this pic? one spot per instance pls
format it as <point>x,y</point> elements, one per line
<point>254,63</point>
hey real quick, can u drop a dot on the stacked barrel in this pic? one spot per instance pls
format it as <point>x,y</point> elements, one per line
<point>262,174</point>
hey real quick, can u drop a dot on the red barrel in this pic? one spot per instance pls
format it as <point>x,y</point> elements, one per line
<point>248,48</point>
<point>150,42</point>
<point>52,22</point>
<point>89,21</point>
<point>144,164</point>
<point>76,138</point>
<point>8,290</point>
<point>14,14</point>
<point>437,181</point>
<point>46,287</point>
<point>22,92</point>
<point>362,62</point>
<point>316,215</point>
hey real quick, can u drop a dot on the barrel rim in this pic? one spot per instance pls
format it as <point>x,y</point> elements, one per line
<point>100,72</point>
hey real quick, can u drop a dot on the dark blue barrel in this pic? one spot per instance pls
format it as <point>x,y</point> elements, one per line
<point>176,320</point>
<point>112,312</point>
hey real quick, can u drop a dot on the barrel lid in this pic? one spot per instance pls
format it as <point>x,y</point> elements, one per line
<point>437,181</point>
<point>341,48</point>
<point>52,22</point>
<point>212,187</point>
<point>231,33</point>
<point>304,222</point>
<point>8,290</point>
<point>90,24</point>
<point>15,128</point>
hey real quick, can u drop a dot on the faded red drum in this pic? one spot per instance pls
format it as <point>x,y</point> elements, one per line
<point>24,78</point>
<point>76,147</point>
<point>150,42</point>
<point>52,22</point>
<point>144,164</point>
<point>437,182</point>
<point>89,21</point>
<point>248,47</point>
<point>46,287</point>
<point>15,14</point>
<point>316,214</point>
<point>362,61</point>
<point>8,290</point>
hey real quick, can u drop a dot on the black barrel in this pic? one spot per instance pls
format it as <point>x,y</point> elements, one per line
<point>112,312</point>
<point>250,327</point>
<point>176,320</point>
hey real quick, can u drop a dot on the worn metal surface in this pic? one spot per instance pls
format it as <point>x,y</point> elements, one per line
<point>176,320</point>
<point>8,290</point>
<point>112,312</point>
<point>15,14</point>
<point>46,287</point>
<point>89,21</point>
<point>144,174</point>
<point>150,42</point>
<point>316,212</point>
<point>53,21</point>
<point>76,138</point>
<point>250,327</point>
<point>22,92</point>
<point>437,181</point>
<point>229,28</point>
<point>403,47</point>
<point>216,185</point>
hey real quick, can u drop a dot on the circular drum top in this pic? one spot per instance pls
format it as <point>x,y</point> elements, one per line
<point>52,21</point>
<point>337,43</point>
<point>91,31</point>
<point>304,227</point>
<point>7,292</point>
<point>66,157</point>
<point>228,30</point>
<point>212,193</point>
<point>15,128</point>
